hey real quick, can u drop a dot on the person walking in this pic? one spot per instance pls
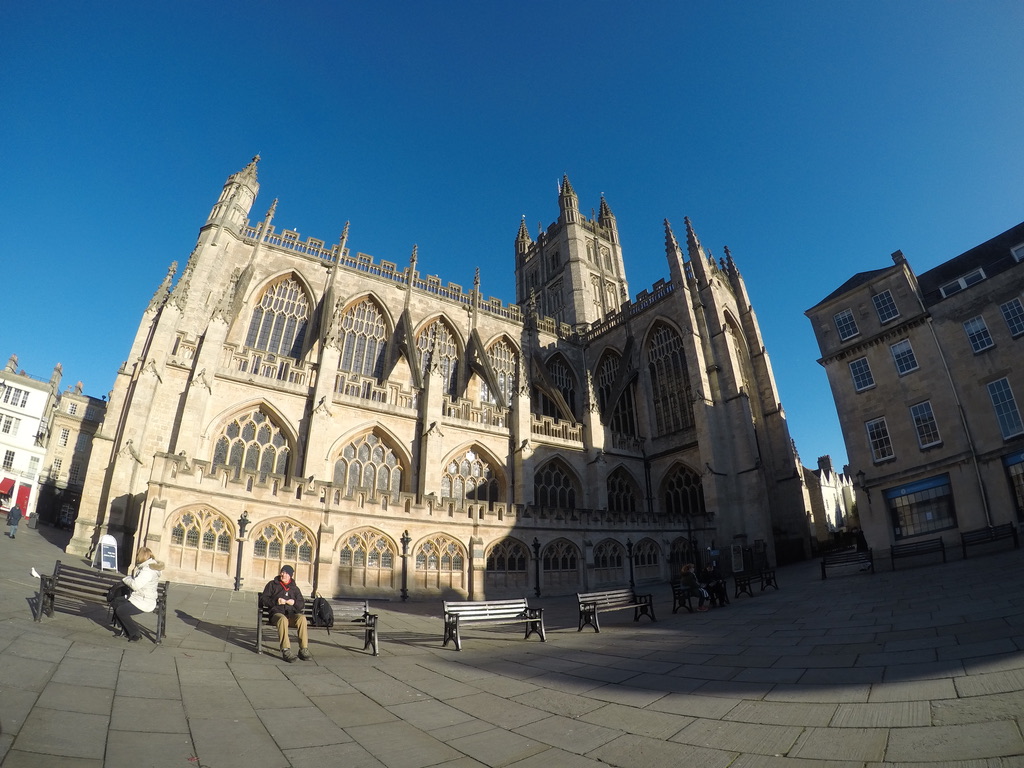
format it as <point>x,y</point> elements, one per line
<point>143,582</point>
<point>283,598</point>
<point>13,518</point>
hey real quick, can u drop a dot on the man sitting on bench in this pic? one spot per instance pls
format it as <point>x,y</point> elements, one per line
<point>712,581</point>
<point>283,598</point>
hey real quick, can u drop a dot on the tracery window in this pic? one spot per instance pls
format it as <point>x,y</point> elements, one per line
<point>560,564</point>
<point>468,478</point>
<point>363,340</point>
<point>284,543</point>
<point>508,556</point>
<point>609,554</point>
<point>684,493</point>
<point>367,558</point>
<point>670,382</point>
<point>369,463</point>
<point>279,321</point>
<point>508,567</point>
<point>620,416</point>
<point>200,540</point>
<point>437,346</point>
<point>502,356</point>
<point>440,553</point>
<point>562,378</point>
<point>623,494</point>
<point>367,549</point>
<point>553,486</point>
<point>252,442</point>
<point>202,529</point>
<point>646,560</point>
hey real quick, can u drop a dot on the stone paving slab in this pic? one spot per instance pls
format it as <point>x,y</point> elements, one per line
<point>919,667</point>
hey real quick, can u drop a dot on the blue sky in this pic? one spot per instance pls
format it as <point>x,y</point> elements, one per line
<point>811,138</point>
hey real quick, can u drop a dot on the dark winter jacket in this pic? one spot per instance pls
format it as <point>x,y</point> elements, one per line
<point>274,590</point>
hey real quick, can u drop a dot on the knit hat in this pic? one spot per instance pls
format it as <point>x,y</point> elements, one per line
<point>289,570</point>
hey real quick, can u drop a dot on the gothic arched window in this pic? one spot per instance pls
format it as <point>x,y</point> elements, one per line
<point>564,381</point>
<point>202,529</point>
<point>279,321</point>
<point>284,543</point>
<point>620,416</point>
<point>363,340</point>
<point>370,463</point>
<point>623,494</point>
<point>468,478</point>
<point>670,382</point>
<point>437,346</point>
<point>502,356</point>
<point>553,486</point>
<point>254,443</point>
<point>684,493</point>
<point>440,553</point>
<point>508,556</point>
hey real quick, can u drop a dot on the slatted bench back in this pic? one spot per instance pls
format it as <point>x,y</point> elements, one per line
<point>609,598</point>
<point>494,611</point>
<point>84,583</point>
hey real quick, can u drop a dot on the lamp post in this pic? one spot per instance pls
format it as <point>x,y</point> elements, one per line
<point>629,554</point>
<point>405,539</point>
<point>243,523</point>
<point>536,566</point>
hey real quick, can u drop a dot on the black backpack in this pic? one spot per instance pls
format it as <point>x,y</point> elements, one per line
<point>323,614</point>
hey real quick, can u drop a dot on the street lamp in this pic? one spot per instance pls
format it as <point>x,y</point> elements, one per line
<point>629,554</point>
<point>405,539</point>
<point>536,565</point>
<point>243,523</point>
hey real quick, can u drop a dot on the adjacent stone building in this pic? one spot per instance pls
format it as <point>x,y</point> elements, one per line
<point>926,374</point>
<point>290,401</point>
<point>73,421</point>
<point>25,405</point>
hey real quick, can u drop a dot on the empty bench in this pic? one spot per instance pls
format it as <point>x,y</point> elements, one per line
<point>91,585</point>
<point>350,611</point>
<point>864,559</point>
<point>743,581</point>
<point>490,612</point>
<point>989,534</point>
<point>613,600</point>
<point>915,548</point>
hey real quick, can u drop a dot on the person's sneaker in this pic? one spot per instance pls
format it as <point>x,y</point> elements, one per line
<point>305,655</point>
<point>287,655</point>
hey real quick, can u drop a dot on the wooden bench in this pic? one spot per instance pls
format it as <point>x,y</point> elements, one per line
<point>991,533</point>
<point>914,548</point>
<point>490,612</point>
<point>352,611</point>
<point>91,585</point>
<point>613,600</point>
<point>864,559</point>
<point>682,596</point>
<point>743,581</point>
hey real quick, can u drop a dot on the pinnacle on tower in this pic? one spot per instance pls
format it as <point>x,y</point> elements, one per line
<point>605,216</point>
<point>568,202</point>
<point>523,236</point>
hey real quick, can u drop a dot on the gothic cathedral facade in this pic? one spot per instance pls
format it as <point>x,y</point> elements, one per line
<point>289,401</point>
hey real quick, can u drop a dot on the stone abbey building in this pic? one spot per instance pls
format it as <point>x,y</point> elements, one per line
<point>290,401</point>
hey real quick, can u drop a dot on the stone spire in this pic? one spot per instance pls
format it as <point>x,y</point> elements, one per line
<point>698,259</point>
<point>568,202</point>
<point>676,266</point>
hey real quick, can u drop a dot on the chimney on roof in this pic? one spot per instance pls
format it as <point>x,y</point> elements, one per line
<point>898,257</point>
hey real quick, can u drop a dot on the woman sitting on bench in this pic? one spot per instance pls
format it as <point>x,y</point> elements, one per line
<point>143,584</point>
<point>689,579</point>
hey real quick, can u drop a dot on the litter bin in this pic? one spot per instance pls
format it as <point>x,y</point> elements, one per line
<point>33,521</point>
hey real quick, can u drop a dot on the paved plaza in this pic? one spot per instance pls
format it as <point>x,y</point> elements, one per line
<point>922,666</point>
